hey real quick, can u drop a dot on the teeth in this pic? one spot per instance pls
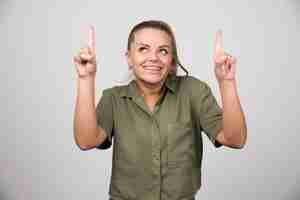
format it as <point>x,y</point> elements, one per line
<point>152,68</point>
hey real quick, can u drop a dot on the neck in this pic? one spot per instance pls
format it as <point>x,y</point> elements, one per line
<point>147,90</point>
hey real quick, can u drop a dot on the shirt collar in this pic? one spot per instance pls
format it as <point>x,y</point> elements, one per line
<point>171,83</point>
<point>131,89</point>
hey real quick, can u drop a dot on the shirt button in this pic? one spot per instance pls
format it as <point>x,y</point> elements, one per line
<point>156,157</point>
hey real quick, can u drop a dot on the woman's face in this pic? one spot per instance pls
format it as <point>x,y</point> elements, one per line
<point>150,56</point>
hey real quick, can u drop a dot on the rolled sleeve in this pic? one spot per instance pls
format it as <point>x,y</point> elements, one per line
<point>104,114</point>
<point>209,113</point>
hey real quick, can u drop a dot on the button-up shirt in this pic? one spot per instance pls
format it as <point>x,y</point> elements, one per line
<point>157,154</point>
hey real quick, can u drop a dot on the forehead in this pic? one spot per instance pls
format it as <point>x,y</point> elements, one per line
<point>152,36</point>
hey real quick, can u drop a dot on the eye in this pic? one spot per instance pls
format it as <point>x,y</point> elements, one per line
<point>164,51</point>
<point>142,49</point>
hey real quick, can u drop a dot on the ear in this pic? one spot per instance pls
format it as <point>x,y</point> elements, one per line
<point>129,61</point>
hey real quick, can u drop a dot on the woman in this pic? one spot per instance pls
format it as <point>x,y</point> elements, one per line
<point>157,119</point>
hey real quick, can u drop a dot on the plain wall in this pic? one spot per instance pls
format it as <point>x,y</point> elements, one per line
<point>38,156</point>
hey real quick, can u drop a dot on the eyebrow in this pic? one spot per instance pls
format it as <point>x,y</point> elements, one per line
<point>144,44</point>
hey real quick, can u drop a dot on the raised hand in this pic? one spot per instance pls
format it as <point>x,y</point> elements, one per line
<point>225,64</point>
<point>85,61</point>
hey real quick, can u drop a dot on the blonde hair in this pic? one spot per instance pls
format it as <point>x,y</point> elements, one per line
<point>163,26</point>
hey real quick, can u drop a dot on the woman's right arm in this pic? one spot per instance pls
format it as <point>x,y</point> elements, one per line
<point>87,133</point>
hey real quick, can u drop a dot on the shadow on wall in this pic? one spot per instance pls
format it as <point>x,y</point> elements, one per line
<point>293,195</point>
<point>294,192</point>
<point>3,195</point>
<point>296,3</point>
<point>5,6</point>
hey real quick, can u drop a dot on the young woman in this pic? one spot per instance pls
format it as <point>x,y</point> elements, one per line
<point>156,121</point>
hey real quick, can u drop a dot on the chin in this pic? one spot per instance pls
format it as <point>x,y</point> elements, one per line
<point>153,79</point>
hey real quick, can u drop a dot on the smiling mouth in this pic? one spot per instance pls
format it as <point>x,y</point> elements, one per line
<point>152,68</point>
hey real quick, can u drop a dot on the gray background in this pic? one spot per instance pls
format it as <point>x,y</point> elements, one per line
<point>38,157</point>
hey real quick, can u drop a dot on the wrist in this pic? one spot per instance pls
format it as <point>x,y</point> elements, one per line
<point>86,79</point>
<point>228,88</point>
<point>85,82</point>
<point>227,83</point>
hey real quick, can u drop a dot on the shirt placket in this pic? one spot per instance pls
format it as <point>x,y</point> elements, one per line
<point>156,158</point>
<point>156,148</point>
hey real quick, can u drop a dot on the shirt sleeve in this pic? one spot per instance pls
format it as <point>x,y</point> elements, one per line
<point>208,112</point>
<point>104,114</point>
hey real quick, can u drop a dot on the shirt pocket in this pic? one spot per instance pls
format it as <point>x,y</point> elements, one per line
<point>180,142</point>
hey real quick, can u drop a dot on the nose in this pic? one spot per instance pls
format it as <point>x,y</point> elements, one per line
<point>153,56</point>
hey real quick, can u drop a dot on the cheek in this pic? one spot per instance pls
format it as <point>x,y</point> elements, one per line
<point>167,61</point>
<point>138,59</point>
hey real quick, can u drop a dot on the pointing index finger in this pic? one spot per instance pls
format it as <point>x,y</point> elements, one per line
<point>91,38</point>
<point>218,48</point>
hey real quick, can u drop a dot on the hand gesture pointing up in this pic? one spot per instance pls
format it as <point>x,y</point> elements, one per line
<point>224,63</point>
<point>85,61</point>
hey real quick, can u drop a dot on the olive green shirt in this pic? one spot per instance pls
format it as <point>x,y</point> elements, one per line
<point>157,155</point>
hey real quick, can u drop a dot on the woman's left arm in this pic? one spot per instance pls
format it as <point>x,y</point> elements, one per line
<point>234,131</point>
